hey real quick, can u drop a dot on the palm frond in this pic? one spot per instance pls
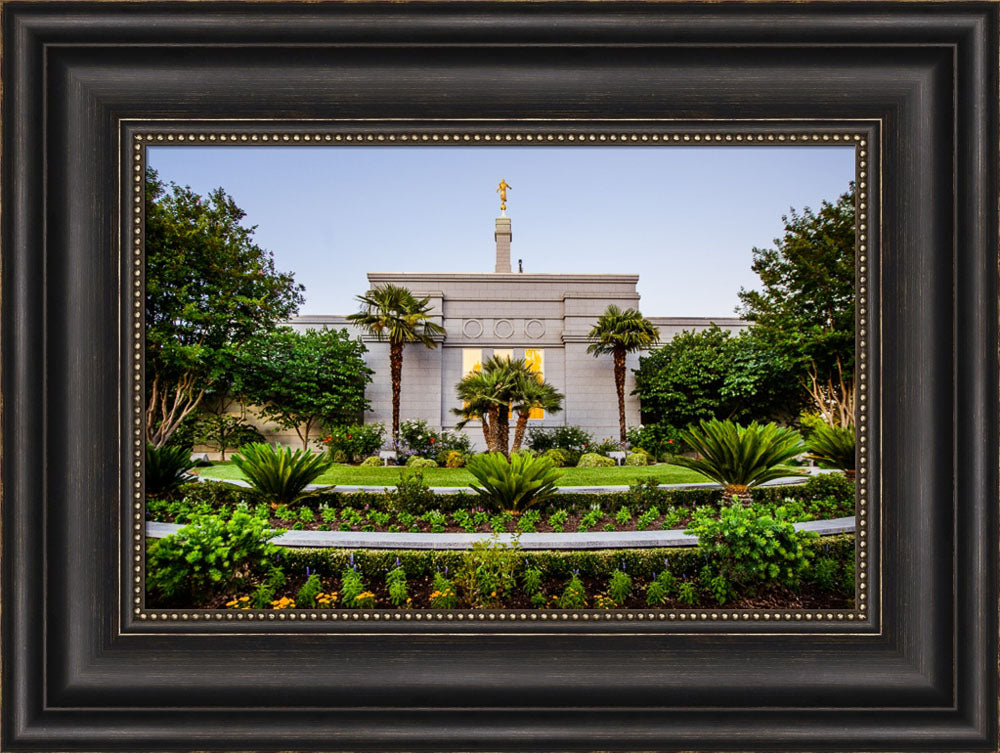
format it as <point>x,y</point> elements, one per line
<point>515,485</point>
<point>735,455</point>
<point>281,474</point>
<point>833,445</point>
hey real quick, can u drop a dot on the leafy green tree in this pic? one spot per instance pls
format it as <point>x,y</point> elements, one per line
<point>393,313</point>
<point>618,333</point>
<point>208,286</point>
<point>805,306</point>
<point>714,374</point>
<point>304,380</point>
<point>225,430</point>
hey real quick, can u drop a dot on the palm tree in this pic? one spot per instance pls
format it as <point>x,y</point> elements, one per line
<point>504,385</point>
<point>392,313</point>
<point>619,333</point>
<point>740,457</point>
<point>531,392</point>
<point>834,446</point>
<point>483,393</point>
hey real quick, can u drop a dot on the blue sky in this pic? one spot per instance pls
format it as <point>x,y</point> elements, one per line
<point>684,218</point>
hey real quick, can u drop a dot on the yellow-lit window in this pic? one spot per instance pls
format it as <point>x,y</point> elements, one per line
<point>536,362</point>
<point>503,353</point>
<point>472,360</point>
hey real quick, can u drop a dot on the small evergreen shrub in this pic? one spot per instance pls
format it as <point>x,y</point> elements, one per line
<point>415,461</point>
<point>637,459</point>
<point>593,460</point>
<point>372,462</point>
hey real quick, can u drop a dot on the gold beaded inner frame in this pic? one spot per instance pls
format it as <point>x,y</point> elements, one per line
<point>135,136</point>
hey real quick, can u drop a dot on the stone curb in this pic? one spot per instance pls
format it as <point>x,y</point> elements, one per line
<point>530,541</point>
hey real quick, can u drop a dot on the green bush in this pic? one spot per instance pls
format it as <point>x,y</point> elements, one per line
<point>487,573</point>
<point>415,461</point>
<point>354,442</point>
<point>572,440</point>
<point>417,438</point>
<point>658,440</point>
<point>166,469</point>
<point>824,486</point>
<point>593,460</point>
<point>637,459</point>
<point>209,556</point>
<point>372,462</point>
<point>412,494</point>
<point>280,475</point>
<point>746,550</point>
<point>512,485</point>
<point>559,458</point>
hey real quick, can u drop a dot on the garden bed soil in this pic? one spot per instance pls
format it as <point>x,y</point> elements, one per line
<point>775,597</point>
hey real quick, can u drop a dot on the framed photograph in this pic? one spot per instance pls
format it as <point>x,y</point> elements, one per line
<point>541,376</point>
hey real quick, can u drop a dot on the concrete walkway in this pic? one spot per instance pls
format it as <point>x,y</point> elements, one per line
<point>785,481</point>
<point>592,540</point>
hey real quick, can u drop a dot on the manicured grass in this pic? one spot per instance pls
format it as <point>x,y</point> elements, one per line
<point>356,475</point>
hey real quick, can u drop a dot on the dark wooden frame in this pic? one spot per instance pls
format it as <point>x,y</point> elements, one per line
<point>918,674</point>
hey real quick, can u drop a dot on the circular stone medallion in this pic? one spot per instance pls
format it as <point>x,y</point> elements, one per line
<point>472,328</point>
<point>503,328</point>
<point>534,328</point>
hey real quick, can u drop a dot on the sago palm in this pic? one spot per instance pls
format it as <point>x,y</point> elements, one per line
<point>392,313</point>
<point>834,446</point>
<point>515,484</point>
<point>617,333</point>
<point>740,457</point>
<point>281,475</point>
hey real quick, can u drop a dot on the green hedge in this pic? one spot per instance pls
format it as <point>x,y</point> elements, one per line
<point>642,564</point>
<point>828,485</point>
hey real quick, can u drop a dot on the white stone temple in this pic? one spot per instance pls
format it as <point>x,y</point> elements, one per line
<point>543,318</point>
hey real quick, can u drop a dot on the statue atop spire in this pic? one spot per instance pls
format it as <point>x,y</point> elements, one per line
<point>502,190</point>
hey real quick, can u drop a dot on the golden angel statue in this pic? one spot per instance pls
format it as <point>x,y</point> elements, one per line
<point>502,190</point>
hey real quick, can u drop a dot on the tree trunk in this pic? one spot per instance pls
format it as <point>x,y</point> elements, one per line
<point>619,356</point>
<point>492,443</point>
<point>741,492</point>
<point>396,377</point>
<point>487,435</point>
<point>503,430</point>
<point>519,428</point>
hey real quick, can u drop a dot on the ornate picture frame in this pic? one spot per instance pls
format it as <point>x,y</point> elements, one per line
<point>87,87</point>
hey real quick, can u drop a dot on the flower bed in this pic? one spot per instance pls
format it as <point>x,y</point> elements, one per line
<point>829,584</point>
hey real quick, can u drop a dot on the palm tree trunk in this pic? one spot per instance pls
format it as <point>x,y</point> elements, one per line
<point>619,356</point>
<point>396,377</point>
<point>503,430</point>
<point>741,492</point>
<point>519,428</point>
<point>492,445</point>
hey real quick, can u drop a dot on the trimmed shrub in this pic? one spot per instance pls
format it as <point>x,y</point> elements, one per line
<point>637,459</point>
<point>452,459</point>
<point>593,460</point>
<point>372,462</point>
<point>416,461</point>
<point>559,458</point>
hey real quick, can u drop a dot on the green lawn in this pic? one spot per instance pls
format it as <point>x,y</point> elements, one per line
<point>356,475</point>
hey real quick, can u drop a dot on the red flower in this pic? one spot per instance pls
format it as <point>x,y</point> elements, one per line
<point>349,436</point>
<point>670,441</point>
<point>432,440</point>
<point>327,439</point>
